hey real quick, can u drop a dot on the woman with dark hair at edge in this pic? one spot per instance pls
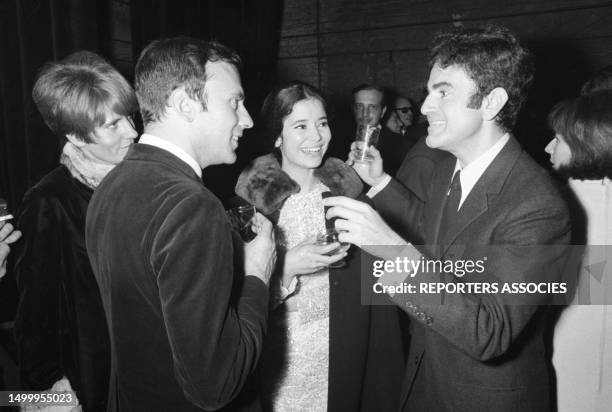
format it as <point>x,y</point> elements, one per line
<point>581,150</point>
<point>324,349</point>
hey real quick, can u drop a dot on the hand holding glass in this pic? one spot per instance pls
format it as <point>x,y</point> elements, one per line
<point>241,219</point>
<point>330,236</point>
<point>4,213</point>
<point>365,137</point>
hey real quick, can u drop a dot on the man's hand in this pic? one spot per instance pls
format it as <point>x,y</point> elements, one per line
<point>363,225</point>
<point>7,236</point>
<point>260,253</point>
<point>370,172</point>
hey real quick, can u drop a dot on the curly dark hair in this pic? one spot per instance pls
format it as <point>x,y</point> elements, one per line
<point>585,124</point>
<point>492,57</point>
<point>279,104</point>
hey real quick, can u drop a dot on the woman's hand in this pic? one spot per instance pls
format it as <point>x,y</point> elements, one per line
<point>308,257</point>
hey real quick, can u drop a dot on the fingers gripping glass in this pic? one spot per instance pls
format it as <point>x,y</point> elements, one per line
<point>241,219</point>
<point>330,236</point>
<point>4,213</point>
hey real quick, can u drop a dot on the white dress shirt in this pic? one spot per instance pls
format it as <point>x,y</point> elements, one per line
<point>470,174</point>
<point>172,148</point>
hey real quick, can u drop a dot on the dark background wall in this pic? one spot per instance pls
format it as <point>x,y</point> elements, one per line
<point>337,44</point>
<point>333,44</point>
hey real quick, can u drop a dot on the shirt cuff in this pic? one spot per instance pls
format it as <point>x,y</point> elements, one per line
<point>380,186</point>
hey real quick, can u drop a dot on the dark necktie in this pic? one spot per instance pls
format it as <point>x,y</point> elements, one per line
<point>453,197</point>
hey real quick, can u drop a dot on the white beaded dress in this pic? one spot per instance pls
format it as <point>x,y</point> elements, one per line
<point>295,362</point>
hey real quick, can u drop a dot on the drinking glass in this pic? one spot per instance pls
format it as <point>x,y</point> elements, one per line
<point>241,218</point>
<point>328,236</point>
<point>4,213</point>
<point>365,137</point>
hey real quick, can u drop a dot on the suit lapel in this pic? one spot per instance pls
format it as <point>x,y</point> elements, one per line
<point>479,198</point>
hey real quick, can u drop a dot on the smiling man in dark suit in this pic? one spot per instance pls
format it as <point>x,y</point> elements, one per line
<point>471,351</point>
<point>186,324</point>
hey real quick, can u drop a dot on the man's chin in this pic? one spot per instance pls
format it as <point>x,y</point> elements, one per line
<point>431,142</point>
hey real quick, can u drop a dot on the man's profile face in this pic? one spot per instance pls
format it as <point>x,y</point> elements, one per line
<point>452,125</point>
<point>367,107</point>
<point>222,123</point>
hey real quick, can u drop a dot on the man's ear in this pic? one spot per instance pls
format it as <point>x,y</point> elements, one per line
<point>382,113</point>
<point>72,138</point>
<point>183,105</point>
<point>493,102</point>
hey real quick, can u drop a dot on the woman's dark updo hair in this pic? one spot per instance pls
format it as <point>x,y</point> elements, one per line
<point>279,104</point>
<point>585,124</point>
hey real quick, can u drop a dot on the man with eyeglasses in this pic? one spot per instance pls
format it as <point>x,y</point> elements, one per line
<point>399,134</point>
<point>401,116</point>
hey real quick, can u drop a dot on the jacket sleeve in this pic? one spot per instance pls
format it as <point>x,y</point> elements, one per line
<point>401,209</point>
<point>215,329</point>
<point>531,248</point>
<point>37,270</point>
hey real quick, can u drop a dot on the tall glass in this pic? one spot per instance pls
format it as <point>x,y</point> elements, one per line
<point>366,136</point>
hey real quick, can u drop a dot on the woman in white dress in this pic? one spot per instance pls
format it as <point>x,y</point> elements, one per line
<point>324,350</point>
<point>582,151</point>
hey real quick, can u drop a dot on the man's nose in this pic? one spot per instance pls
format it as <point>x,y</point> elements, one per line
<point>245,119</point>
<point>427,106</point>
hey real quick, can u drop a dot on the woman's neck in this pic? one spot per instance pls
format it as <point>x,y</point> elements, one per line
<point>303,177</point>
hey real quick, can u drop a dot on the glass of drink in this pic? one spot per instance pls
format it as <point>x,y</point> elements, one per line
<point>328,236</point>
<point>365,137</point>
<point>241,219</point>
<point>4,213</point>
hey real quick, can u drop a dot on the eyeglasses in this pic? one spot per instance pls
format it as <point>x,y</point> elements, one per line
<point>404,110</point>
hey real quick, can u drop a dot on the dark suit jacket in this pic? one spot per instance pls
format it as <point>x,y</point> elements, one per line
<point>185,331</point>
<point>394,146</point>
<point>483,352</point>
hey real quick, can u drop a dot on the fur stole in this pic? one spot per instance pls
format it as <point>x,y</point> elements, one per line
<point>264,184</point>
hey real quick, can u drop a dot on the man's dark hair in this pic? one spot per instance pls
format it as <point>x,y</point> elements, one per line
<point>367,86</point>
<point>73,95</point>
<point>492,57</point>
<point>585,124</point>
<point>167,64</point>
<point>279,104</point>
<point>602,80</point>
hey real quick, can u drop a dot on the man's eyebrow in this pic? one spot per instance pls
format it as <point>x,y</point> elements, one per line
<point>440,84</point>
